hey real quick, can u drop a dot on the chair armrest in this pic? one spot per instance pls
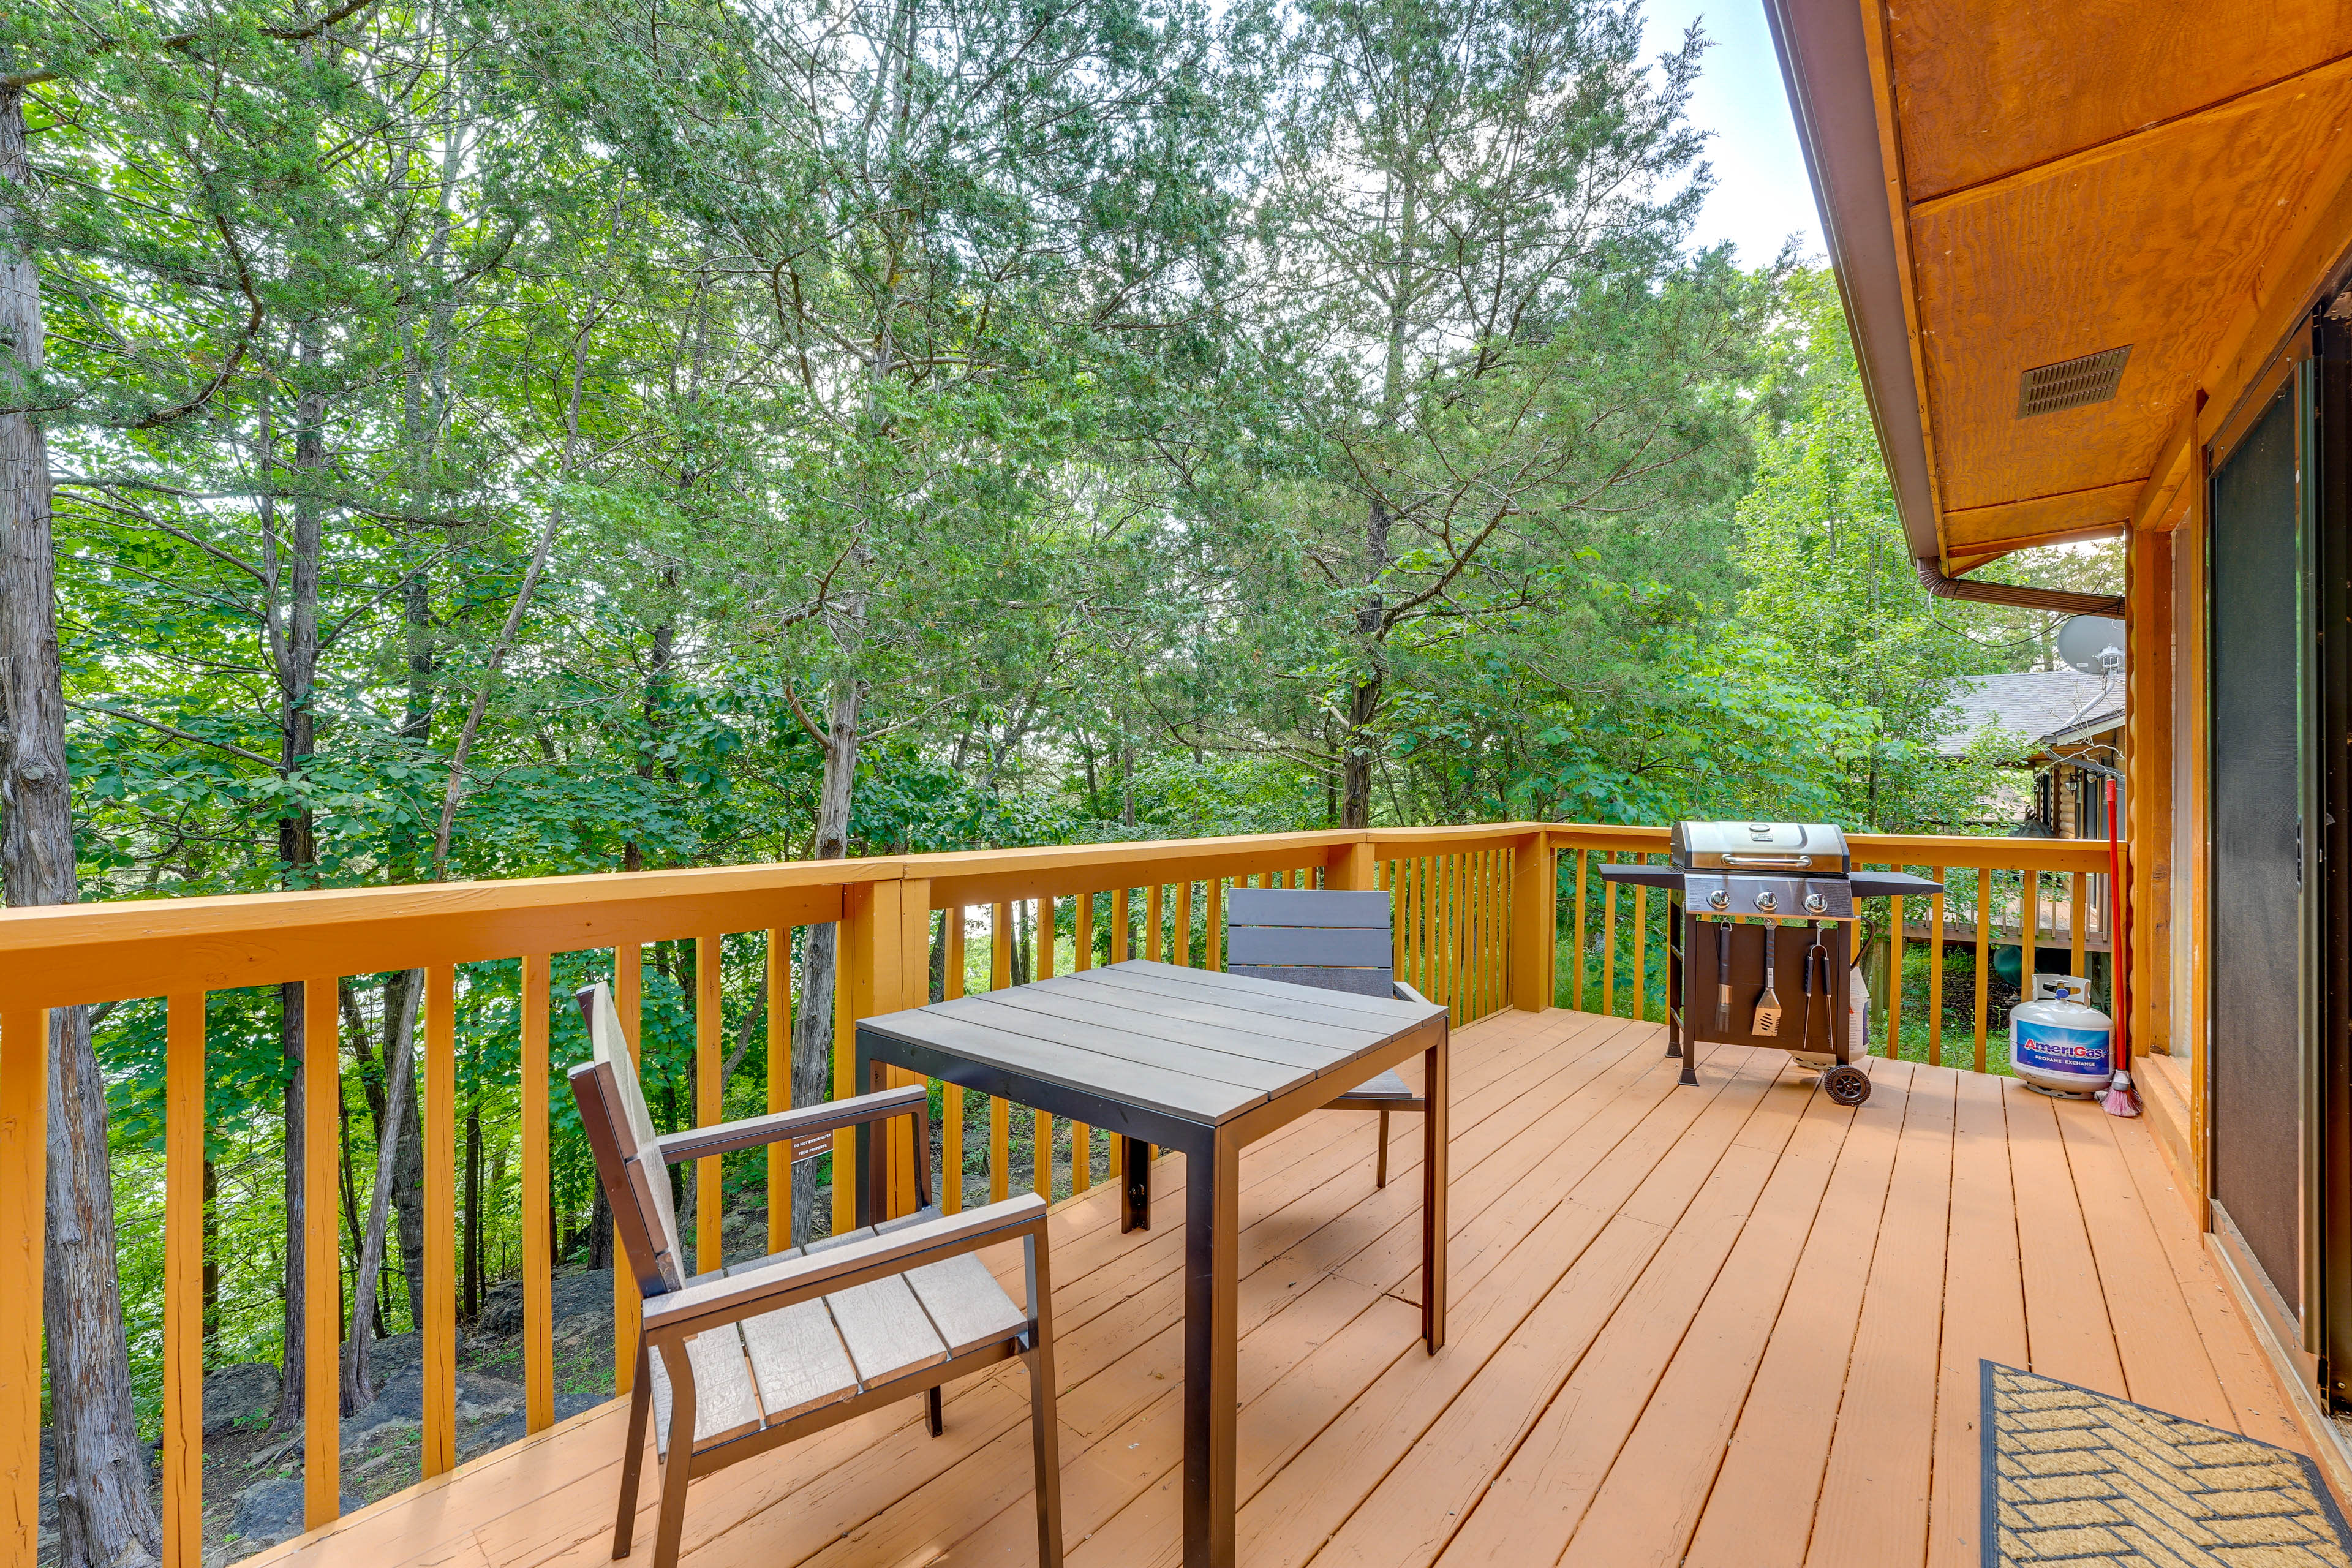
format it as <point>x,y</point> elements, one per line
<point>715,1302</point>
<point>1407,993</point>
<point>784,1126</point>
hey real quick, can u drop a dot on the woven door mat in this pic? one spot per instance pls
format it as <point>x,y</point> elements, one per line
<point>2086,1478</point>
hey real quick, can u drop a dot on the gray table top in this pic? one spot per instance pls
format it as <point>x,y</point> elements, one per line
<point>1194,1042</point>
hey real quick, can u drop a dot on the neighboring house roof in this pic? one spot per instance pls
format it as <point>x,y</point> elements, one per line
<point>2045,706</point>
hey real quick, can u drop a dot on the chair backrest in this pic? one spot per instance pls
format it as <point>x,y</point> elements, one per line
<point>629,1157</point>
<point>1335,941</point>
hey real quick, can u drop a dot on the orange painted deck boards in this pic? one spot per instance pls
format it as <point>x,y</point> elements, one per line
<point>1732,1324</point>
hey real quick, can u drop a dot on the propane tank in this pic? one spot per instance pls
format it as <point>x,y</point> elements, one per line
<point>2060,1045</point>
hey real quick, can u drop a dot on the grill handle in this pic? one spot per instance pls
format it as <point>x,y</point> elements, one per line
<point>1789,862</point>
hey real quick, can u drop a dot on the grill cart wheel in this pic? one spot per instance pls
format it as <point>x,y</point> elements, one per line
<point>1847,1085</point>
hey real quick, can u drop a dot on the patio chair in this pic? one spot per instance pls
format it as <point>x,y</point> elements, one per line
<point>1334,942</point>
<point>736,1361</point>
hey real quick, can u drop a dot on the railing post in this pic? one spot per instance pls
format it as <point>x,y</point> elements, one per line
<point>1351,867</point>
<point>883,952</point>
<point>1534,918</point>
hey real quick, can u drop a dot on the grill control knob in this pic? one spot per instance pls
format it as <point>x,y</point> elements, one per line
<point>1815,903</point>
<point>1718,899</point>
<point>1768,900</point>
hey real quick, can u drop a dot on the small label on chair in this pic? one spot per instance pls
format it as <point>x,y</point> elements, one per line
<point>1768,1019</point>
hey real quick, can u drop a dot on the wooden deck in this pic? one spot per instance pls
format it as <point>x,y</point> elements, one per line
<point>1733,1325</point>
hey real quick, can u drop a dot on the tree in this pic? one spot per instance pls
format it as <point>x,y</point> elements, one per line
<point>1471,252</point>
<point>1831,579</point>
<point>103,1514</point>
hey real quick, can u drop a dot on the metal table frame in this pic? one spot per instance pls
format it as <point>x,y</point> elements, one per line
<point>1212,1214</point>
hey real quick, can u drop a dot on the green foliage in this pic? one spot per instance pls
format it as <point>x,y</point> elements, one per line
<point>1161,420</point>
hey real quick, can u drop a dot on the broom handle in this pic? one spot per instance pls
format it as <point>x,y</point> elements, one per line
<point>2118,942</point>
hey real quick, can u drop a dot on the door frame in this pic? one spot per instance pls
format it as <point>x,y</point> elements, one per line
<point>2303,1331</point>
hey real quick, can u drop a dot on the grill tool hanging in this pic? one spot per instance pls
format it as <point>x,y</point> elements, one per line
<point>1764,873</point>
<point>1723,978</point>
<point>1767,1005</point>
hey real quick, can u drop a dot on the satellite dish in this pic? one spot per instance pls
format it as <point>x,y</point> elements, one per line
<point>2092,644</point>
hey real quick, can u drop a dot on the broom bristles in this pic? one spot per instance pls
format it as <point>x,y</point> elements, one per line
<point>2120,1100</point>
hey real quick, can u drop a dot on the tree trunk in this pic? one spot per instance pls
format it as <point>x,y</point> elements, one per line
<point>358,1390</point>
<point>297,851</point>
<point>813,1036</point>
<point>103,1513</point>
<point>473,1209</point>
<point>1358,742</point>
<point>404,994</point>
<point>212,1252</point>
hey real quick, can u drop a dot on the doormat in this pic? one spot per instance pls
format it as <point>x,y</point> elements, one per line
<point>2089,1480</point>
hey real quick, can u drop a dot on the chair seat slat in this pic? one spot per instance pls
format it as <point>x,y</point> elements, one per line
<point>798,1360</point>
<point>725,1402</point>
<point>885,1329</point>
<point>966,1304</point>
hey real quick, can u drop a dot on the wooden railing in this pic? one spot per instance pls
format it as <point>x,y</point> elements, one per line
<point>2032,894</point>
<point>1481,914</point>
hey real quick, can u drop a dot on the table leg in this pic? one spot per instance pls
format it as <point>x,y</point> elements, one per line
<point>1433,1193</point>
<point>1212,1345</point>
<point>1135,1200</point>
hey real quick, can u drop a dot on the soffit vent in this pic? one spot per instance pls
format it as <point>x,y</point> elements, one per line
<point>2071,383</point>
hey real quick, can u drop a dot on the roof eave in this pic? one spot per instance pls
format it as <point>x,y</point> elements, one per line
<point>1825,66</point>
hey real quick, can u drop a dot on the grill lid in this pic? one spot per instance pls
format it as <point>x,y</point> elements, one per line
<point>1815,847</point>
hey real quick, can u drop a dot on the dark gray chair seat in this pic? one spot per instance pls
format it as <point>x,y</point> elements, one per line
<point>1331,940</point>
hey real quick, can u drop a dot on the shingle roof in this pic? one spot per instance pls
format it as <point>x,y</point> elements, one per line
<point>2034,703</point>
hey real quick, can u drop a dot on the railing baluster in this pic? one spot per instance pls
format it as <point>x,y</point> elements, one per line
<point>628,1309</point>
<point>537,1207</point>
<point>1473,932</point>
<point>1499,928</point>
<point>1214,950</point>
<point>322,1273</point>
<point>951,1095</point>
<point>1895,977</point>
<point>1081,924</point>
<point>440,1130</point>
<point>779,1083</point>
<point>1451,948</point>
<point>1984,957</point>
<point>1152,898</point>
<point>1641,946</point>
<point>1000,1114</point>
<point>1608,941</point>
<point>845,1084</point>
<point>2075,920</point>
<point>184,1284</point>
<point>2029,943</point>
<point>708,1098</point>
<point>1042,1130</point>
<point>1121,933</point>
<point>1582,857</point>
<point>1936,972</point>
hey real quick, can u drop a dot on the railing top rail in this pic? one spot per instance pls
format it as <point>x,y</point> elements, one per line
<point>105,951</point>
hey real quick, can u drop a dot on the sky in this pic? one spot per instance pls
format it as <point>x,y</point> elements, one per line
<point>1761,196</point>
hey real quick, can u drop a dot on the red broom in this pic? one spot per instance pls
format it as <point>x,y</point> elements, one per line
<point>2119,1098</point>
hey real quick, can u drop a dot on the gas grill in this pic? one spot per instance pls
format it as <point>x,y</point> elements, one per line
<point>1761,944</point>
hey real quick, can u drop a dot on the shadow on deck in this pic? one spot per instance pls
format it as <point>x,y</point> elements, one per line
<point>1732,1325</point>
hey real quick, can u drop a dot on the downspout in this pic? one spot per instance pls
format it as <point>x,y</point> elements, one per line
<point>2058,600</point>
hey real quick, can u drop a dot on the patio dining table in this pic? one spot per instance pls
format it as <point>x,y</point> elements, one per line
<point>1203,1063</point>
